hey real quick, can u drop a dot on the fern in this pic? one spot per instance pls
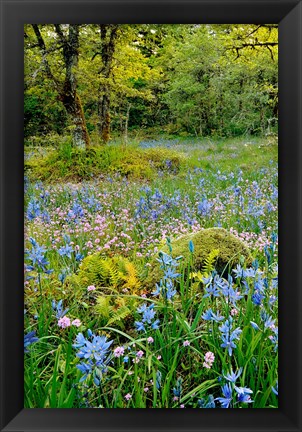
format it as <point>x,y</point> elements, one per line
<point>113,310</point>
<point>130,276</point>
<point>119,315</point>
<point>109,274</point>
<point>102,306</point>
<point>209,264</point>
<point>115,272</point>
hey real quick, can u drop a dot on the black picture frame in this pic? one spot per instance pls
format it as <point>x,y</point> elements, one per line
<point>288,13</point>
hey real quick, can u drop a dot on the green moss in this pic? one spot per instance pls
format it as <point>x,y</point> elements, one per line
<point>231,249</point>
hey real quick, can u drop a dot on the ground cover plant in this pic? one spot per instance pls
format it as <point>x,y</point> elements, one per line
<point>151,216</point>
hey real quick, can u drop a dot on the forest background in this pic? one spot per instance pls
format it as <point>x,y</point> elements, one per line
<point>93,83</point>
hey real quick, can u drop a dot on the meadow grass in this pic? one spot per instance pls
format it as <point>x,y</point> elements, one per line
<point>202,340</point>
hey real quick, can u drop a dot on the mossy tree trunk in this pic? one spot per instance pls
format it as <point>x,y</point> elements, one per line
<point>67,92</point>
<point>79,132</point>
<point>69,96</point>
<point>107,49</point>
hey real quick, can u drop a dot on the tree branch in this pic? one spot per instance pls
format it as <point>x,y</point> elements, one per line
<point>44,52</point>
<point>60,34</point>
<point>253,45</point>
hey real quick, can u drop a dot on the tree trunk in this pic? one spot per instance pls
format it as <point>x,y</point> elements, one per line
<point>126,124</point>
<point>69,96</point>
<point>67,92</point>
<point>108,41</point>
<point>104,115</point>
<point>74,109</point>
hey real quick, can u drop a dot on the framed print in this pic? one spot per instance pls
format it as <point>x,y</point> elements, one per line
<point>151,194</point>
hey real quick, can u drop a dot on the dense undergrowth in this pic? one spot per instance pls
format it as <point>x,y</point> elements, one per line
<point>143,159</point>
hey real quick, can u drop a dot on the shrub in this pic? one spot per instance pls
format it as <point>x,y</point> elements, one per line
<point>164,159</point>
<point>230,250</point>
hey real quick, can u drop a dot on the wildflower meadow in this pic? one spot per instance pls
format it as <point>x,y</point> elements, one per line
<point>151,254</point>
<point>97,336</point>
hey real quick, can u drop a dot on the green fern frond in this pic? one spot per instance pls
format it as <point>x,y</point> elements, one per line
<point>209,263</point>
<point>103,307</point>
<point>119,315</point>
<point>116,272</point>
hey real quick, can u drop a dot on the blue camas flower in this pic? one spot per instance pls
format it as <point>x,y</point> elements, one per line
<point>212,290</point>
<point>255,325</point>
<point>37,257</point>
<point>158,379</point>
<point>239,272</point>
<point>274,338</point>
<point>233,376</point>
<point>204,207</point>
<point>148,317</point>
<point>66,250</point>
<point>210,403</point>
<point>227,398</point>
<point>165,287</point>
<point>94,351</point>
<point>275,389</point>
<point>33,209</point>
<point>140,326</point>
<point>178,388</point>
<point>191,246</point>
<point>76,212</point>
<point>58,309</point>
<point>228,336</point>
<point>209,315</point>
<point>244,394</point>
<point>29,339</point>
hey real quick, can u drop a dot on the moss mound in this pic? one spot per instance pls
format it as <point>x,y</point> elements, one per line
<point>230,248</point>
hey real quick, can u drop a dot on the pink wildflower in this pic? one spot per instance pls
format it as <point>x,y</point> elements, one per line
<point>186,343</point>
<point>91,288</point>
<point>208,360</point>
<point>128,396</point>
<point>234,312</point>
<point>119,351</point>
<point>140,354</point>
<point>64,322</point>
<point>76,322</point>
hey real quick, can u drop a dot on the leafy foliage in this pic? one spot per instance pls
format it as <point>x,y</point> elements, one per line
<point>209,263</point>
<point>218,80</point>
<point>69,163</point>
